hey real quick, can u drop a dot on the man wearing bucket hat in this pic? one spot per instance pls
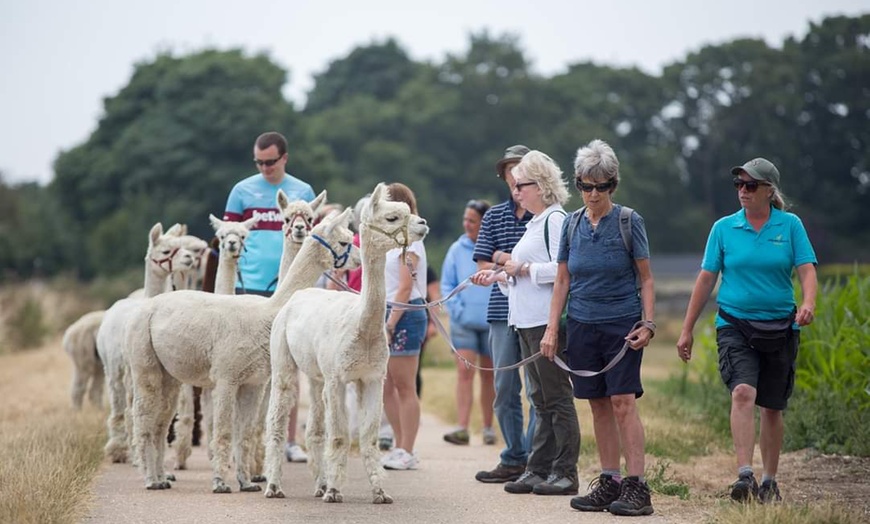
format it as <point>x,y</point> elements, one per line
<point>758,323</point>
<point>502,227</point>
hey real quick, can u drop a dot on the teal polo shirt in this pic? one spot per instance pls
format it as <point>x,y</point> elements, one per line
<point>757,266</point>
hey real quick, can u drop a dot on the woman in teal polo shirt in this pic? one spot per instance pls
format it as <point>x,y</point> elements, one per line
<point>756,250</point>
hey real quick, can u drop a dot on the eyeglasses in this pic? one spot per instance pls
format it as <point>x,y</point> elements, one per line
<point>521,185</point>
<point>478,205</point>
<point>268,163</point>
<point>751,186</point>
<point>587,188</point>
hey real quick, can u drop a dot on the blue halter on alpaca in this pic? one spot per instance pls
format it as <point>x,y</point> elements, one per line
<point>338,260</point>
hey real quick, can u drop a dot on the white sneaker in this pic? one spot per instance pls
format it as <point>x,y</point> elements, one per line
<point>294,453</point>
<point>400,459</point>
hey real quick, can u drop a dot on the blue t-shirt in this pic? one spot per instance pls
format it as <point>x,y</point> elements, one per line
<point>500,230</point>
<point>756,267</point>
<point>469,307</point>
<point>255,196</point>
<point>603,282</point>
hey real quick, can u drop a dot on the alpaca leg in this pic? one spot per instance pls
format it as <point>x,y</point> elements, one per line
<point>184,427</point>
<point>116,448</point>
<point>258,446</point>
<point>98,384</point>
<point>128,416</point>
<point>337,441</point>
<point>223,399</point>
<point>282,396</point>
<point>171,390</point>
<point>207,420</point>
<point>79,385</point>
<point>244,422</point>
<point>315,436</point>
<point>370,408</point>
<point>147,408</point>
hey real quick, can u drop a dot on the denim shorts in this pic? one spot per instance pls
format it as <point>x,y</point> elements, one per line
<point>410,332</point>
<point>467,337</point>
<point>593,346</point>
<point>771,374</point>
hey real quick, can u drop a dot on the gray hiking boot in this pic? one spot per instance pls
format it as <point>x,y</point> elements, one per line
<point>524,484</point>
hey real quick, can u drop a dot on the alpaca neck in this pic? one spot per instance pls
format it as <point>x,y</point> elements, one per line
<point>225,278</point>
<point>288,255</point>
<point>155,279</point>
<point>374,286</point>
<point>302,273</point>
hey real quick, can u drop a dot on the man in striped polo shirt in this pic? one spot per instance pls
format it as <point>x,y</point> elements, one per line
<point>501,229</point>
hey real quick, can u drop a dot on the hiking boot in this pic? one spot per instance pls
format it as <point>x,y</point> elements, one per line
<point>524,484</point>
<point>501,473</point>
<point>385,443</point>
<point>458,437</point>
<point>294,453</point>
<point>556,485</point>
<point>745,489</point>
<point>768,492</point>
<point>603,491</point>
<point>489,436</point>
<point>633,499</point>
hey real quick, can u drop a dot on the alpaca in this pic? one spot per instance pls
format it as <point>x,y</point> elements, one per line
<point>219,342</point>
<point>80,343</point>
<point>231,237</point>
<point>164,257</point>
<point>351,347</point>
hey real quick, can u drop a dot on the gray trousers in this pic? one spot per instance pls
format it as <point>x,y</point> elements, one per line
<point>556,442</point>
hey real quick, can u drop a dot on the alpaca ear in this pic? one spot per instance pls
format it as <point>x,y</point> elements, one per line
<point>344,218</point>
<point>282,200</point>
<point>215,222</point>
<point>380,193</point>
<point>176,230</point>
<point>251,222</point>
<point>318,201</point>
<point>156,233</point>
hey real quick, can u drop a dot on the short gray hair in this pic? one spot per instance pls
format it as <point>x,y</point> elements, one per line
<point>596,160</point>
<point>539,168</point>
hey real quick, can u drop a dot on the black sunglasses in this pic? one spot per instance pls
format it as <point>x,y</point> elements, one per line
<point>477,205</point>
<point>751,186</point>
<point>587,188</point>
<point>521,185</point>
<point>268,163</point>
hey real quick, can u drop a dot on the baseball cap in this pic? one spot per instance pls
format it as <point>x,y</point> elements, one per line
<point>759,169</point>
<point>511,154</point>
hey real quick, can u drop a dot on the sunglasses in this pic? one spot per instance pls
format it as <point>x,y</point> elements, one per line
<point>587,188</point>
<point>521,185</point>
<point>477,205</point>
<point>268,163</point>
<point>751,186</point>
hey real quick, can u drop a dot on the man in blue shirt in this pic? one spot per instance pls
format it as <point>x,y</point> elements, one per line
<point>255,196</point>
<point>502,227</point>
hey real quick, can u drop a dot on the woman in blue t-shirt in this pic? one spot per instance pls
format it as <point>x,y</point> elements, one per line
<point>755,250</point>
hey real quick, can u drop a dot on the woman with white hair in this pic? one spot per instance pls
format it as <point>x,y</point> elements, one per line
<point>527,280</point>
<point>603,256</point>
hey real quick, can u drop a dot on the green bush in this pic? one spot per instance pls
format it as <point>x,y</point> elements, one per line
<point>27,326</point>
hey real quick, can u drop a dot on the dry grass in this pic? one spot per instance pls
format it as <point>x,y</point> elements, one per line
<point>49,454</point>
<point>824,513</point>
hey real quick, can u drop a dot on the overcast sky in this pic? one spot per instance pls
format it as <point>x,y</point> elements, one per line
<point>59,59</point>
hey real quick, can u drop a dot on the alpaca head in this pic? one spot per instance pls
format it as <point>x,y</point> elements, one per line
<point>232,235</point>
<point>388,224</point>
<point>298,215</point>
<point>336,240</point>
<point>197,246</point>
<point>167,252</point>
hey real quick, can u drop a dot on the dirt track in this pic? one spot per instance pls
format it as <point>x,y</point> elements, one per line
<point>443,490</point>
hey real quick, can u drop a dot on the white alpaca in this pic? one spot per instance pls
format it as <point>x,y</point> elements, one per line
<point>335,339</point>
<point>231,237</point>
<point>165,256</point>
<point>219,342</point>
<point>80,343</point>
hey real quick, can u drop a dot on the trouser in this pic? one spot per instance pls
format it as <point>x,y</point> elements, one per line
<point>508,406</point>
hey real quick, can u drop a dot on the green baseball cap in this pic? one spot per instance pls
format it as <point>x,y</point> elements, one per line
<point>511,154</point>
<point>760,169</point>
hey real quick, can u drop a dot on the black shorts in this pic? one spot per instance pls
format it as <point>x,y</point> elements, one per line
<point>771,374</point>
<point>593,346</point>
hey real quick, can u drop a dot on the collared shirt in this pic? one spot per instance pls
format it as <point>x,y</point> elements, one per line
<point>529,295</point>
<point>603,282</point>
<point>756,266</point>
<point>255,196</point>
<point>500,230</point>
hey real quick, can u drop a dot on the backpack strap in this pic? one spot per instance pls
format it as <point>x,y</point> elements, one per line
<point>547,230</point>
<point>572,223</point>
<point>625,229</point>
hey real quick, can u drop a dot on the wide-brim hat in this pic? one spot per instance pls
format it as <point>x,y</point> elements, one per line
<point>511,154</point>
<point>760,169</point>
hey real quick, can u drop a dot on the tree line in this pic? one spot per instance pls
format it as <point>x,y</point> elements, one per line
<point>174,140</point>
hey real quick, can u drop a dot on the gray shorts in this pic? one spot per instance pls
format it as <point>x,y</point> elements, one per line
<point>771,374</point>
